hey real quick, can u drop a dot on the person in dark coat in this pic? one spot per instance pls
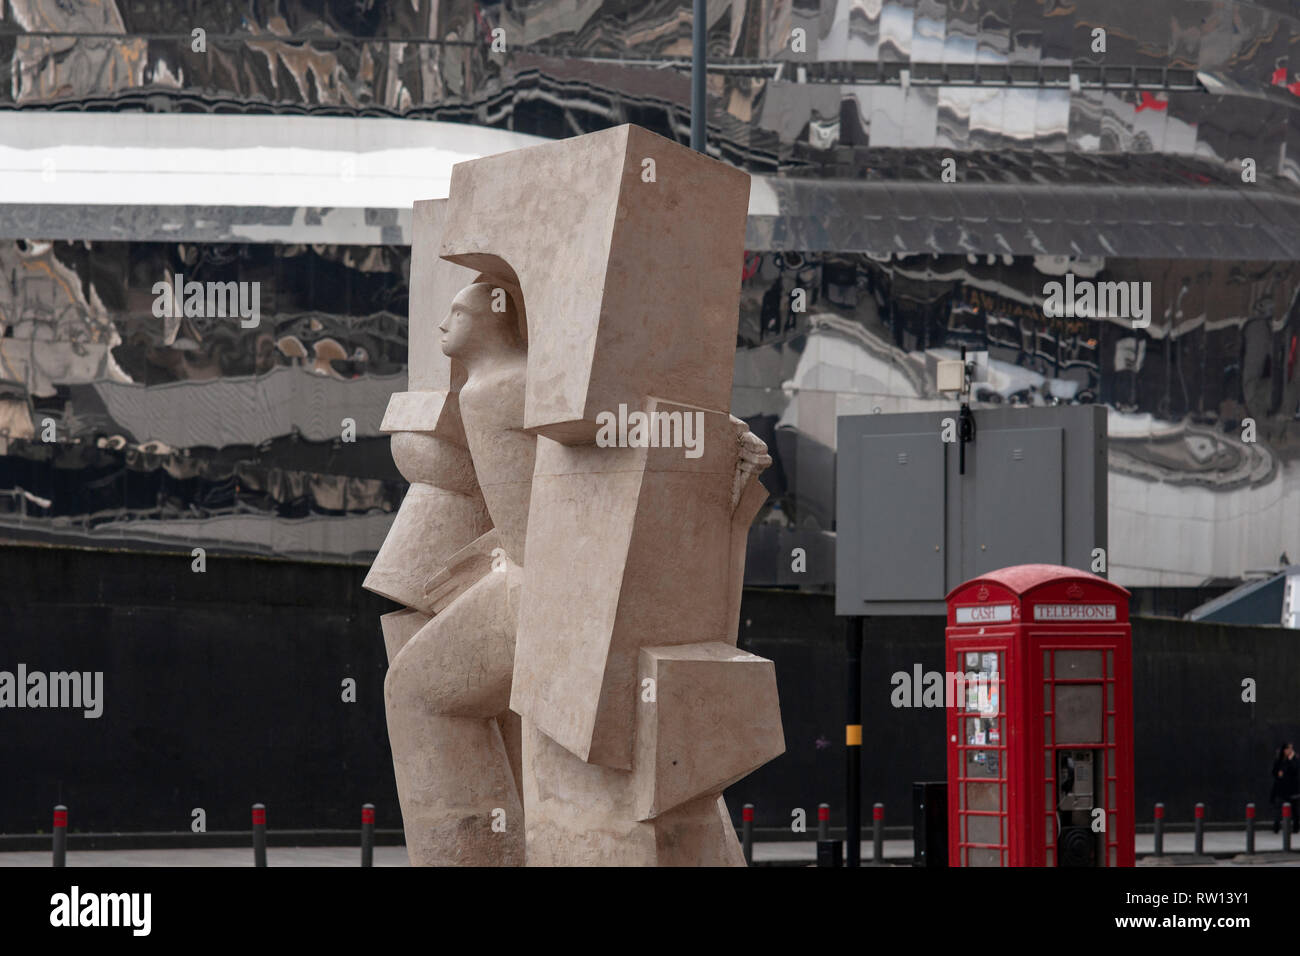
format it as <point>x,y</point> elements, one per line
<point>1286,787</point>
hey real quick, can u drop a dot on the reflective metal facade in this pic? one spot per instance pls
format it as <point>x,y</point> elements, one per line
<point>1122,166</point>
<point>795,85</point>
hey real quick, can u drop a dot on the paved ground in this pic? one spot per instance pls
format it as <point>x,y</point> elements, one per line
<point>1222,849</point>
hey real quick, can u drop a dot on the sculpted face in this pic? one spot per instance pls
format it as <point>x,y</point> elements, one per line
<point>458,326</point>
<point>473,327</point>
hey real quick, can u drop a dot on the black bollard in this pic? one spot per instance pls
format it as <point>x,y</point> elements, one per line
<point>823,822</point>
<point>1250,828</point>
<point>1160,829</point>
<point>878,833</point>
<point>259,834</point>
<point>1200,830</point>
<point>367,834</point>
<point>747,832</point>
<point>830,853</point>
<point>1286,826</point>
<point>60,835</point>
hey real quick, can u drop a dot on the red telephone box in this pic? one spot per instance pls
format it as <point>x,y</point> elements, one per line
<point>1039,672</point>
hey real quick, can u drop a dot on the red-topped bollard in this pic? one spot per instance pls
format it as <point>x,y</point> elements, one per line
<point>829,852</point>
<point>878,833</point>
<point>367,834</point>
<point>259,834</point>
<point>1286,826</point>
<point>747,832</point>
<point>1250,828</point>
<point>60,835</point>
<point>1200,830</point>
<point>1160,830</point>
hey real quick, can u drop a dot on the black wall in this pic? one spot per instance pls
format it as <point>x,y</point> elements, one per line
<point>221,689</point>
<point>224,688</point>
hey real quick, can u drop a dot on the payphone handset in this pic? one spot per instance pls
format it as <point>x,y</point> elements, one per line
<point>1074,780</point>
<point>1076,843</point>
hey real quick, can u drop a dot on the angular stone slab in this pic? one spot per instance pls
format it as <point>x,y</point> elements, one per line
<point>714,719</point>
<point>631,286</point>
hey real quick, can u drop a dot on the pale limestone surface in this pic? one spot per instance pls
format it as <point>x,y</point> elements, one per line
<point>595,589</point>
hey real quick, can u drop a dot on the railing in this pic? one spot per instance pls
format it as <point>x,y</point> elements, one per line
<point>367,835</point>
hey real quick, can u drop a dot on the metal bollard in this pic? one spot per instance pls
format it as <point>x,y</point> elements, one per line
<point>1160,829</point>
<point>60,835</point>
<point>1250,828</point>
<point>259,834</point>
<point>367,834</point>
<point>823,821</point>
<point>747,832</point>
<point>1286,826</point>
<point>877,833</point>
<point>1200,830</point>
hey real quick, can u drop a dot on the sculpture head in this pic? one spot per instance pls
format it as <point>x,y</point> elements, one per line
<point>483,320</point>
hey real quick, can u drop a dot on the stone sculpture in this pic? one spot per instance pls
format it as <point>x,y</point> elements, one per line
<point>564,686</point>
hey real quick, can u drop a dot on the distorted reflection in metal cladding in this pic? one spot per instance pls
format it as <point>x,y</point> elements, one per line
<point>122,425</point>
<point>566,70</point>
<point>166,429</point>
<point>197,431</point>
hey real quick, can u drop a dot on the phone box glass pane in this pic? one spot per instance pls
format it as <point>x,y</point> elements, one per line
<point>1078,665</point>
<point>978,856</point>
<point>1078,713</point>
<point>982,796</point>
<point>983,829</point>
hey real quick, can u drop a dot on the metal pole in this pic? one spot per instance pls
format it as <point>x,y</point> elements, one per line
<point>367,834</point>
<point>823,822</point>
<point>60,835</point>
<point>1200,829</point>
<point>699,37</point>
<point>259,834</point>
<point>747,832</point>
<point>1250,828</point>
<point>1286,826</point>
<point>877,833</point>
<point>853,740</point>
<point>1160,829</point>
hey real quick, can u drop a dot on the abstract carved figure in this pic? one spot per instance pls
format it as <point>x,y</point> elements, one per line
<point>452,557</point>
<point>566,665</point>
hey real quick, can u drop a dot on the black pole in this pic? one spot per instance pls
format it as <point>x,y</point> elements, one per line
<point>699,32</point>
<point>1250,828</point>
<point>853,740</point>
